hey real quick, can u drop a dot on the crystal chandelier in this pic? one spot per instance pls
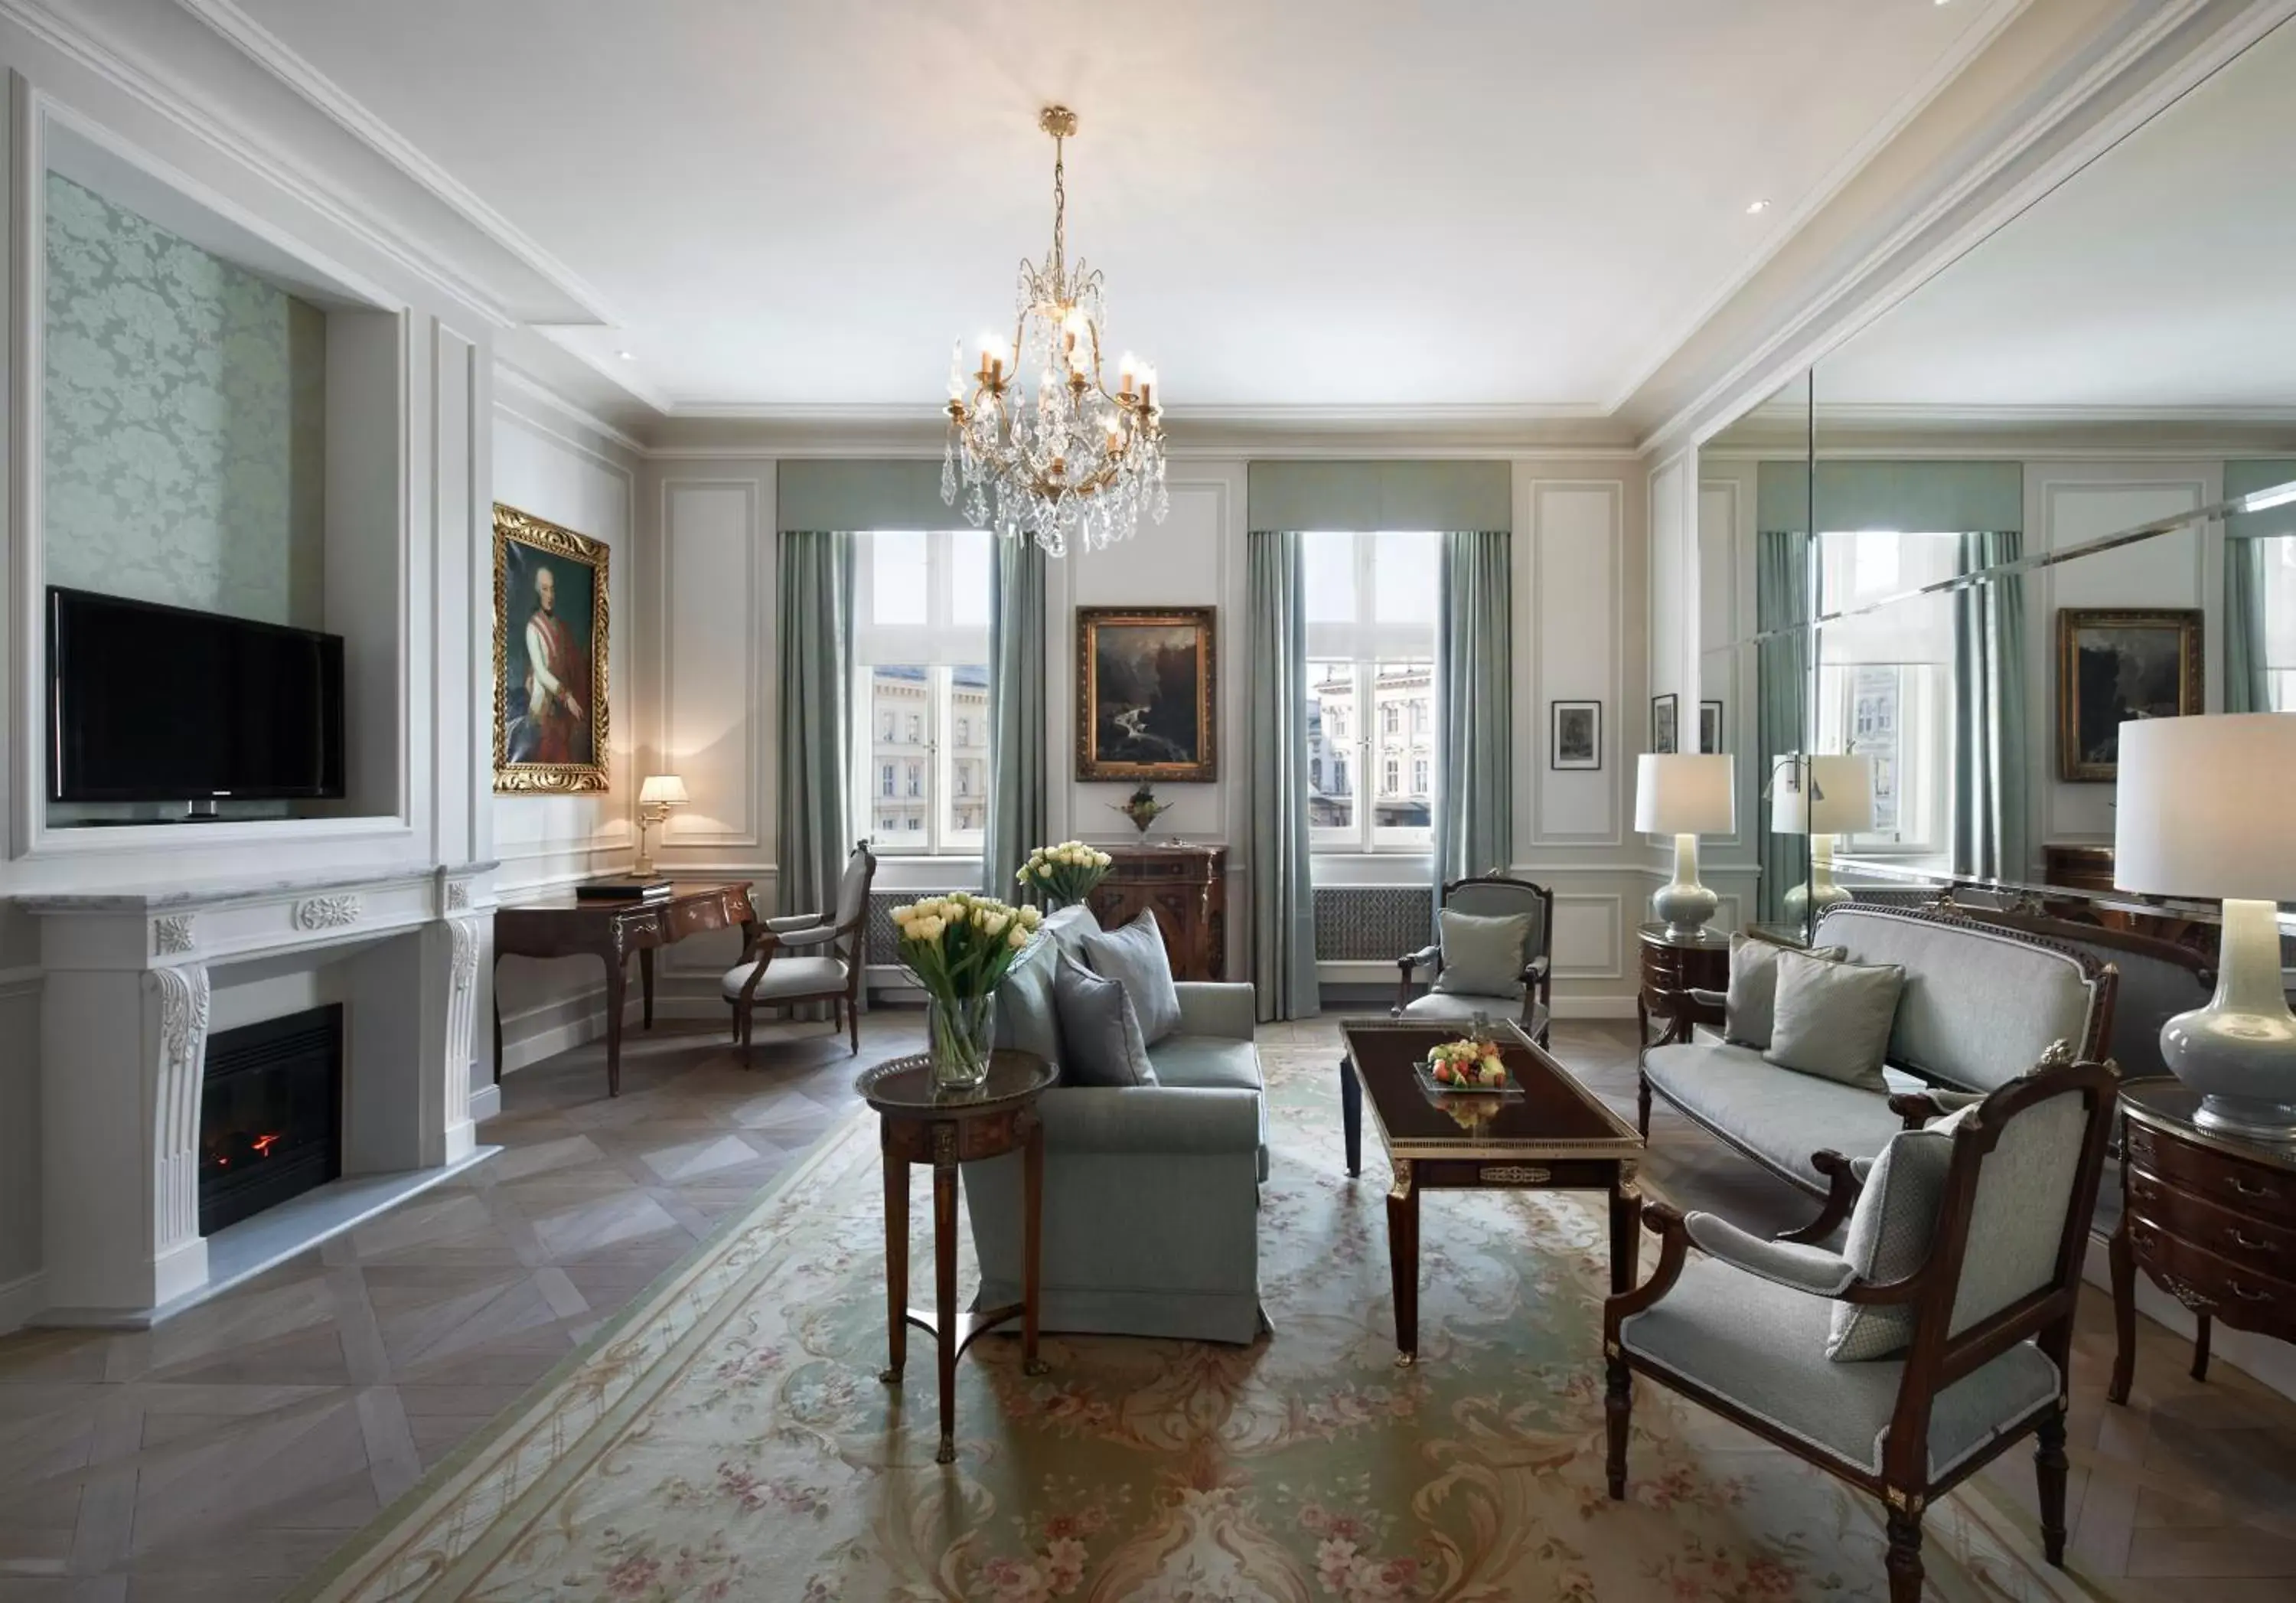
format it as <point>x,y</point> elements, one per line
<point>1077,461</point>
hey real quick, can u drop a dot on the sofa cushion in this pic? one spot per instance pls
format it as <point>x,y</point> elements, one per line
<point>1832,1019</point>
<point>1206,1061</point>
<point>1482,957</point>
<point>1750,1006</point>
<point>1134,955</point>
<point>1780,1116</point>
<point>1026,1015</point>
<point>1100,1037</point>
<point>1891,1230</point>
<point>1980,1006</point>
<point>1761,1344</point>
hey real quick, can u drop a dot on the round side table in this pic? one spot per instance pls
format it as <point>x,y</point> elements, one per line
<point>918,1125</point>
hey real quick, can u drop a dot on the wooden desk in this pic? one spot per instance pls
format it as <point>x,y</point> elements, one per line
<point>561,925</point>
<point>1186,888</point>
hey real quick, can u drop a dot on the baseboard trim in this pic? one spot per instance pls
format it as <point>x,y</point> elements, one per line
<point>486,1102</point>
<point>23,1300</point>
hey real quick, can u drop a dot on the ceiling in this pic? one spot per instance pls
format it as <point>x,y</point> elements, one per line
<point>2161,278</point>
<point>1310,204</point>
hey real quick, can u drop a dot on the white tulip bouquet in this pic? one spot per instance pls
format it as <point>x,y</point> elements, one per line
<point>1065,873</point>
<point>960,947</point>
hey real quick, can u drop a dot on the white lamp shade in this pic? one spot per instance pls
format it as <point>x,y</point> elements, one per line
<point>663,790</point>
<point>1686,794</point>
<point>1844,802</point>
<point>2204,805</point>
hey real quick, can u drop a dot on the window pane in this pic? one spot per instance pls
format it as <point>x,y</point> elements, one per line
<point>966,817</point>
<point>898,578</point>
<point>1405,568</point>
<point>1327,575</point>
<point>900,709</point>
<point>1331,746</point>
<point>1403,694</point>
<point>970,555</point>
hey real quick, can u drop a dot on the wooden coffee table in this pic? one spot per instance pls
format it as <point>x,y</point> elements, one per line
<point>1556,1136</point>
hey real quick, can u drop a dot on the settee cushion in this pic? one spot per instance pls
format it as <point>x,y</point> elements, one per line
<point>1760,1345</point>
<point>1134,955</point>
<point>1832,1019</point>
<point>1980,1006</point>
<point>1100,1037</point>
<point>1206,1063</point>
<point>1780,1116</point>
<point>1891,1230</point>
<point>1749,1006</point>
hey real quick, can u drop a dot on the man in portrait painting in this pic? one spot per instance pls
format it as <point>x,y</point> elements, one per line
<point>551,728</point>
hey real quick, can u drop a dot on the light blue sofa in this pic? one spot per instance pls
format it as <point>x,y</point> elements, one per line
<point>1152,1193</point>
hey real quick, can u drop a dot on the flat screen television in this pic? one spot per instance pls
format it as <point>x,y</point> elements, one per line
<point>161,703</point>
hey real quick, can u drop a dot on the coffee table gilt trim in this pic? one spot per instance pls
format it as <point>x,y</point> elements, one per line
<point>915,1125</point>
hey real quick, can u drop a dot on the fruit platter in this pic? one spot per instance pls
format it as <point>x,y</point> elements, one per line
<point>1465,1068</point>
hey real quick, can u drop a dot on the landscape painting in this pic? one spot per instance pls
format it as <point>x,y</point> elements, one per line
<point>2116,665</point>
<point>1145,694</point>
<point>1577,741</point>
<point>550,657</point>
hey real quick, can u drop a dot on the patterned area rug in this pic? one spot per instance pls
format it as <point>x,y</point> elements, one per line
<point>727,1437</point>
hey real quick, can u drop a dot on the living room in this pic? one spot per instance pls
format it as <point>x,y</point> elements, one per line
<point>1575,897</point>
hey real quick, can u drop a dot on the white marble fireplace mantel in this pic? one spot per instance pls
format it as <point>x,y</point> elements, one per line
<point>123,1027</point>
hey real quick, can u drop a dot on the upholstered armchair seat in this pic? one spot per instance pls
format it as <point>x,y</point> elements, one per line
<point>1531,1000</point>
<point>785,977</point>
<point>1760,1344</point>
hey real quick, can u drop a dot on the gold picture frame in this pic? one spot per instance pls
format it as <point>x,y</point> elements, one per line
<point>1147,695</point>
<point>2115,664</point>
<point>551,727</point>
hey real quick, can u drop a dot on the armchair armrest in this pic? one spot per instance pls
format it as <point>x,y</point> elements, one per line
<point>1209,1008</point>
<point>1917,1108</point>
<point>1705,998</point>
<point>1167,1119</point>
<point>794,922</point>
<point>1535,969</point>
<point>813,936</point>
<point>1809,1269</point>
<point>1425,955</point>
<point>1664,1222</point>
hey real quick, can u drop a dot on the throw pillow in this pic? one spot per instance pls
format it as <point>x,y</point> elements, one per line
<point>1482,957</point>
<point>1834,1019</point>
<point>1891,1230</point>
<point>1750,1005</point>
<point>1100,1035</point>
<point>1134,955</point>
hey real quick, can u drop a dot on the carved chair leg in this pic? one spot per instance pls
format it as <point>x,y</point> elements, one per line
<point>2049,1466</point>
<point>1841,1196</point>
<point>853,1021</point>
<point>1905,1560</point>
<point>1642,1105</point>
<point>735,1009</point>
<point>1618,1412</point>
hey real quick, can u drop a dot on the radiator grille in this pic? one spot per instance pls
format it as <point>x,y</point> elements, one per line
<point>1372,923</point>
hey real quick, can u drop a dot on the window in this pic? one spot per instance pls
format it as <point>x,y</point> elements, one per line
<point>1897,714</point>
<point>1371,601</point>
<point>2280,621</point>
<point>921,646</point>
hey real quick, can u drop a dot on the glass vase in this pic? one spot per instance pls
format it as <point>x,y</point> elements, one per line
<point>959,1036</point>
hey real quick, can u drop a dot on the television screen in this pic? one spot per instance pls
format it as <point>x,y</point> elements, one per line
<point>160,703</point>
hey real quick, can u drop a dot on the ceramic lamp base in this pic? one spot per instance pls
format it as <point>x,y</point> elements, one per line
<point>1686,905</point>
<point>2239,1052</point>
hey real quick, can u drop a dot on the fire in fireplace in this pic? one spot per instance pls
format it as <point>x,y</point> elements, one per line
<point>271,1120</point>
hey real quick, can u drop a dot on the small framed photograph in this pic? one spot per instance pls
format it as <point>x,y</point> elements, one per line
<point>1575,736</point>
<point>1710,728</point>
<point>1664,738</point>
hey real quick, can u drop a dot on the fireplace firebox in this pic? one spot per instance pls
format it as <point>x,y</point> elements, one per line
<point>271,1105</point>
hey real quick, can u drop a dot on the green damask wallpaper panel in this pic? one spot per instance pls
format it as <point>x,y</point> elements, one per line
<point>184,433</point>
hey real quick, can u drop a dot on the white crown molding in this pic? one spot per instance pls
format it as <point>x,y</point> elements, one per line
<point>621,376</point>
<point>2072,118</point>
<point>178,105</point>
<point>265,48</point>
<point>511,381</point>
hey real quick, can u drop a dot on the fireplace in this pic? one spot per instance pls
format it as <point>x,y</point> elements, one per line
<point>271,1105</point>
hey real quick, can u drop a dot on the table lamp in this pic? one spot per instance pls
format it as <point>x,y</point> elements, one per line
<point>1821,797</point>
<point>656,797</point>
<point>1685,795</point>
<point>2203,810</point>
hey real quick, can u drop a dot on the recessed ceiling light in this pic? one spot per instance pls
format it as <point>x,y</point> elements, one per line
<point>627,356</point>
<point>1756,208</point>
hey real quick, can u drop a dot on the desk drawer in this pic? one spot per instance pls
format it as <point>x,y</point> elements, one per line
<point>2207,1284</point>
<point>2231,1233</point>
<point>2216,1177</point>
<point>692,917</point>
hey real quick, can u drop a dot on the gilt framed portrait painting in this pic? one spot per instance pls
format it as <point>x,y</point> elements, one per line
<point>551,711</point>
<point>1147,693</point>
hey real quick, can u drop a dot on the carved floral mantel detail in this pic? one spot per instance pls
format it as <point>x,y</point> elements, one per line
<point>327,912</point>
<point>171,934</point>
<point>458,895</point>
<point>183,996</point>
<point>466,952</point>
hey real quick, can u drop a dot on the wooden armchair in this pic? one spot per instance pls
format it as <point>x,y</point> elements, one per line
<point>1489,896</point>
<point>807,957</point>
<point>1984,1308</point>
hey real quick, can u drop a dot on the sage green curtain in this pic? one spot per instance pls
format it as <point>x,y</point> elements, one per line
<point>2252,542</point>
<point>815,747</point>
<point>1474,657</point>
<point>1017,738</point>
<point>1990,746</point>
<point>1282,896</point>
<point>1782,698</point>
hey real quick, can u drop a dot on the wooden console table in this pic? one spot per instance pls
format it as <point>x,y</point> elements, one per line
<point>1186,888</point>
<point>561,925</point>
<point>1671,964</point>
<point>2210,1219</point>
